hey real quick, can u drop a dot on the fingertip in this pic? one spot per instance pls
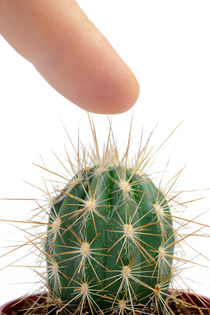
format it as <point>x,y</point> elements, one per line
<point>96,78</point>
<point>114,97</point>
<point>123,94</point>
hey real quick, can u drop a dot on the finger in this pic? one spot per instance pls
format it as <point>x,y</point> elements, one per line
<point>70,53</point>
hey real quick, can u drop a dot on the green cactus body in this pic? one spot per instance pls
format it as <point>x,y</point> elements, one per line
<point>110,242</point>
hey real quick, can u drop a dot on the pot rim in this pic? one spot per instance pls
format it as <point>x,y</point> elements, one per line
<point>16,303</point>
<point>186,296</point>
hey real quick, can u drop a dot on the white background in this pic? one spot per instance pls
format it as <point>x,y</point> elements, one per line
<point>166,44</point>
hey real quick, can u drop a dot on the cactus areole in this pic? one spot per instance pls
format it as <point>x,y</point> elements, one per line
<point>110,242</point>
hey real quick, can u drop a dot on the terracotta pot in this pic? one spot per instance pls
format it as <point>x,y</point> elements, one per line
<point>15,305</point>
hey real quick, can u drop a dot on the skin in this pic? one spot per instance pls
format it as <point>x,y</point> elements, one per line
<point>70,53</point>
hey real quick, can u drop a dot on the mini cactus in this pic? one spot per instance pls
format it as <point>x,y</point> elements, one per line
<point>109,235</point>
<point>110,241</point>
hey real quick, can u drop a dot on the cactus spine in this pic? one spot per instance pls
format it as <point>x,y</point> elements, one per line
<point>110,239</point>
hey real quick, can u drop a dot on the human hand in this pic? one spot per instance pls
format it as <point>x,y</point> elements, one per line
<point>70,53</point>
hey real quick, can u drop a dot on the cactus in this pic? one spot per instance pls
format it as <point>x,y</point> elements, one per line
<point>107,238</point>
<point>110,239</point>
